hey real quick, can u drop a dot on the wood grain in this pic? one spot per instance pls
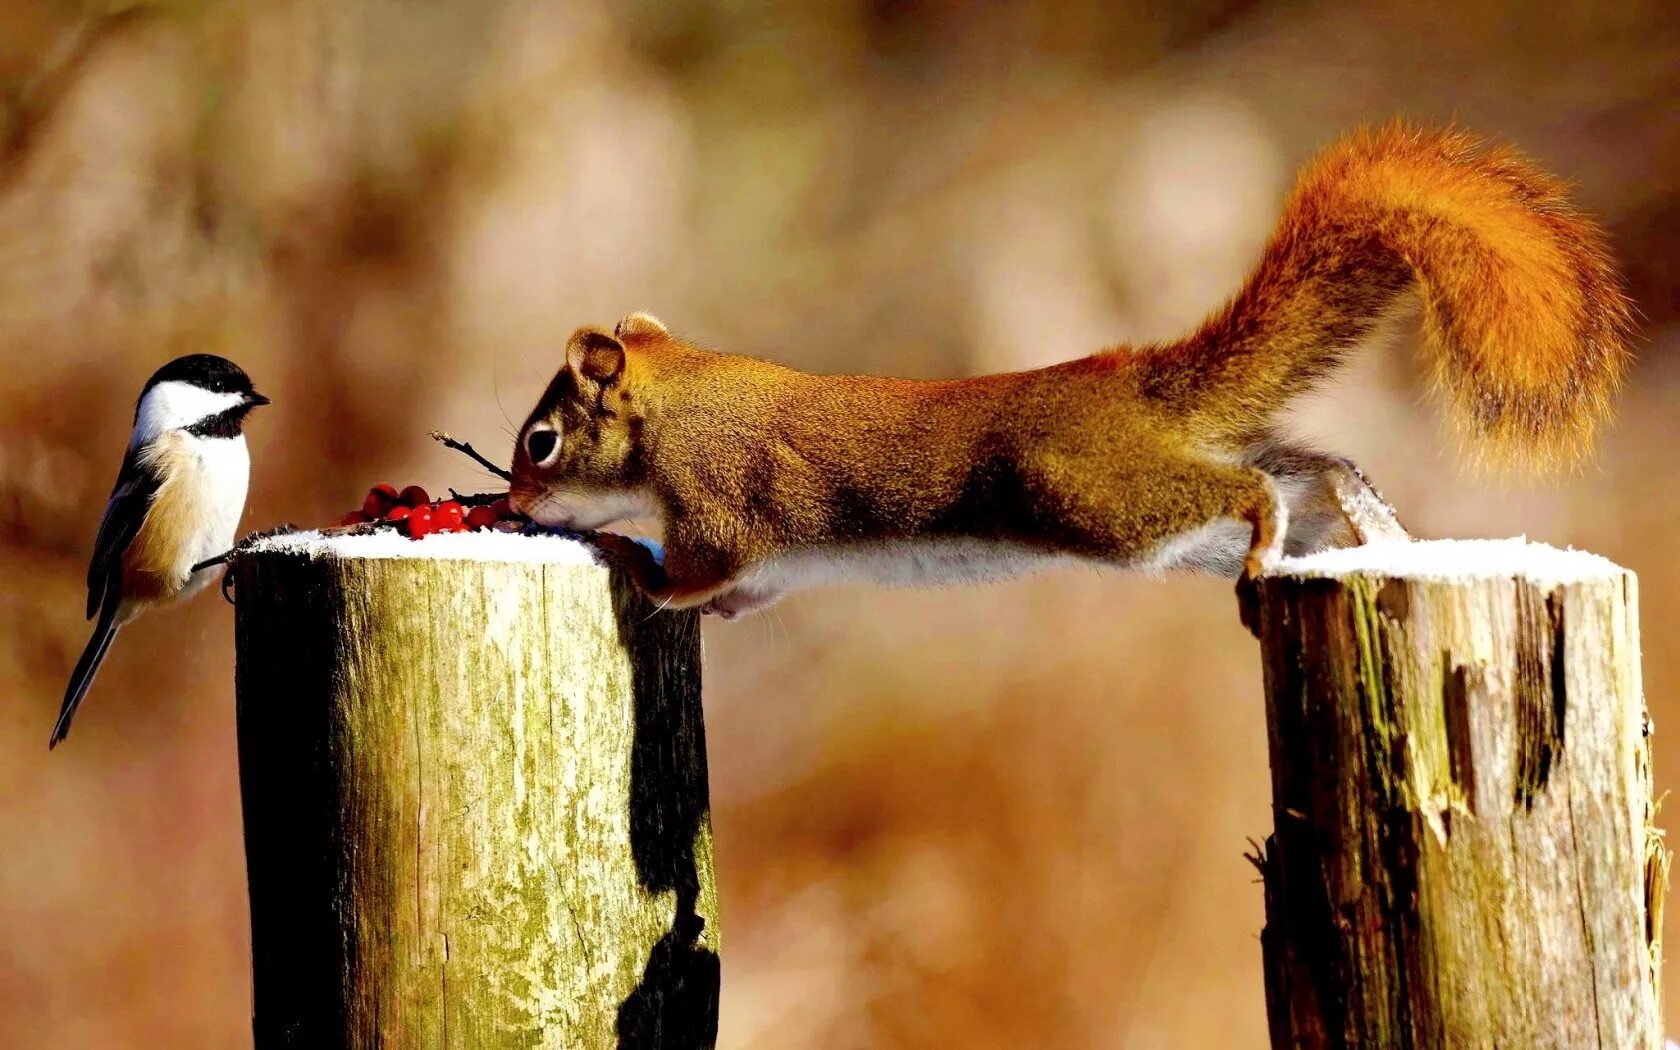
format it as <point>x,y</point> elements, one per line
<point>1463,852</point>
<point>475,807</point>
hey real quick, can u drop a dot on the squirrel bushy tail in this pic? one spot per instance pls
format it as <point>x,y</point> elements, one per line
<point>1524,316</point>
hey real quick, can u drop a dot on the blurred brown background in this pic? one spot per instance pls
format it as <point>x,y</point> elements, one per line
<point>1011,816</point>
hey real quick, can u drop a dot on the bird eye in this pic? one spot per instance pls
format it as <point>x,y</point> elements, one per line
<point>541,443</point>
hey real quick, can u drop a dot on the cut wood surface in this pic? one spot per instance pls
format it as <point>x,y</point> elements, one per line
<point>1463,852</point>
<point>475,799</point>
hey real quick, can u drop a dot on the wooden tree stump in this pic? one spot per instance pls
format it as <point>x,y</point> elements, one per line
<point>1462,852</point>
<point>474,782</point>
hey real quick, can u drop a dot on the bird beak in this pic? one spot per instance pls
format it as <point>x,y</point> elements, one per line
<point>255,399</point>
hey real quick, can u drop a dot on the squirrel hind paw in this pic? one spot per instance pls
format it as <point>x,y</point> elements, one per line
<point>1371,518</point>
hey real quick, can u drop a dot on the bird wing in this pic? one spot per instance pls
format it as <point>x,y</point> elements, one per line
<point>125,511</point>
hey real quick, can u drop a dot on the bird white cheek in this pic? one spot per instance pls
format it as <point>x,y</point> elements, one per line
<point>173,405</point>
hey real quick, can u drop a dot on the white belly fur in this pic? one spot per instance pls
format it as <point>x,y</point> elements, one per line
<point>227,475</point>
<point>227,472</point>
<point>895,564</point>
<point>1216,547</point>
<point>207,482</point>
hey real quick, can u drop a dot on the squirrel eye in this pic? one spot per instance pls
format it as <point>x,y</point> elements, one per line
<point>541,443</point>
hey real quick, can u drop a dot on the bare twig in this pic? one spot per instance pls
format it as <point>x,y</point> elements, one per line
<point>476,499</point>
<point>362,528</point>
<point>249,538</point>
<point>467,449</point>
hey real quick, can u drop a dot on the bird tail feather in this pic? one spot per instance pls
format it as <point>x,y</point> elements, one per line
<point>81,679</point>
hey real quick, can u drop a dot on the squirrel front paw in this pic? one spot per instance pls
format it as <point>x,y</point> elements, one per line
<point>622,552</point>
<point>715,608</point>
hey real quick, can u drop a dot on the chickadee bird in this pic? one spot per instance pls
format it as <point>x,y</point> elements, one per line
<point>176,503</point>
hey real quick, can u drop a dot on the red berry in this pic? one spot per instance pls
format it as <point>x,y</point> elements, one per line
<point>421,521</point>
<point>355,517</point>
<point>397,513</point>
<point>449,516</point>
<point>502,509</point>
<point>414,496</point>
<point>378,499</point>
<point>481,517</point>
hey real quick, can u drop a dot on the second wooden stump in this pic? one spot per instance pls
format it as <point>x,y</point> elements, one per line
<point>1463,853</point>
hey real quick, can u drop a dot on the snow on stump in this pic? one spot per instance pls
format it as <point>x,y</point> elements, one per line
<point>474,782</point>
<point>1462,851</point>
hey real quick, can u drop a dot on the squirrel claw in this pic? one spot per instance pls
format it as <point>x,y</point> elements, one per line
<point>617,549</point>
<point>623,554</point>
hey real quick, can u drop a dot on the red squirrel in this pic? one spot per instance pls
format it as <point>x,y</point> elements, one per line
<point>766,479</point>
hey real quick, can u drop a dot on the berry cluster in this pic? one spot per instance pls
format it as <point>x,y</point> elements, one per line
<point>413,511</point>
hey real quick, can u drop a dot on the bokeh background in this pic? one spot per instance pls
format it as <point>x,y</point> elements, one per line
<point>1001,817</point>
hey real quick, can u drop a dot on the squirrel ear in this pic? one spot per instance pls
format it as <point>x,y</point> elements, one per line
<point>595,355</point>
<point>640,324</point>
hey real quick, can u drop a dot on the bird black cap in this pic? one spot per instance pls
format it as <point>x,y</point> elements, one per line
<point>206,371</point>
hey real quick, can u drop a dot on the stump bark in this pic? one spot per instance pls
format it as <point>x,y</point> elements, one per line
<point>475,800</point>
<point>1462,851</point>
